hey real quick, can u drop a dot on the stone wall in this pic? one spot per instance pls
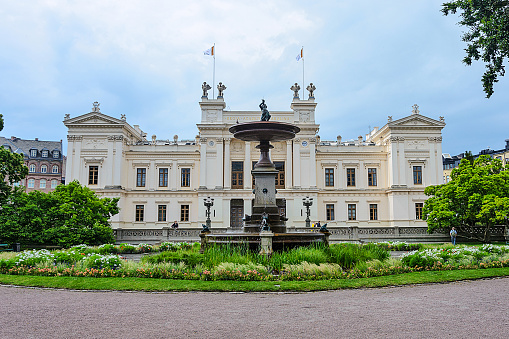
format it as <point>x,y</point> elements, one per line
<point>338,234</point>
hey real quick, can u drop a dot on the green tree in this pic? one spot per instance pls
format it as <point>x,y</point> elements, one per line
<point>477,197</point>
<point>488,35</point>
<point>70,215</point>
<point>12,170</point>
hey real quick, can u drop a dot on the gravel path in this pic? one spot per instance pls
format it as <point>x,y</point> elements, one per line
<point>468,309</point>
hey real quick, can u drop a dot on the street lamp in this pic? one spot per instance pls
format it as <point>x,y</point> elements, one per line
<point>307,201</point>
<point>209,202</point>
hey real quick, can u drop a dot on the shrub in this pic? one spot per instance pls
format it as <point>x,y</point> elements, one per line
<point>188,258</point>
<point>99,261</point>
<point>108,249</point>
<point>127,248</point>
<point>144,248</point>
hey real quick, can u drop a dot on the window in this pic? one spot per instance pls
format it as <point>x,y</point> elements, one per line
<point>31,183</point>
<point>418,210</point>
<point>163,177</point>
<point>329,209</point>
<point>56,154</point>
<point>350,177</point>
<point>329,177</point>
<point>54,169</point>
<point>372,177</point>
<point>184,212</point>
<point>237,174</point>
<point>185,177</point>
<point>161,213</point>
<point>44,154</point>
<point>280,177</point>
<point>373,212</point>
<point>93,175</point>
<point>141,175</point>
<point>417,175</point>
<point>42,183</point>
<point>352,212</point>
<point>140,209</point>
<point>54,184</point>
<point>31,169</point>
<point>33,153</point>
<point>44,169</point>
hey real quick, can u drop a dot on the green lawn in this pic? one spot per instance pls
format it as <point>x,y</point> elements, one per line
<point>146,284</point>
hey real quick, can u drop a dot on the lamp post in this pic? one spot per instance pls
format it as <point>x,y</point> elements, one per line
<point>209,202</point>
<point>307,201</point>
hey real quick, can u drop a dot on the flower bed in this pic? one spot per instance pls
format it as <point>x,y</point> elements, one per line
<point>299,264</point>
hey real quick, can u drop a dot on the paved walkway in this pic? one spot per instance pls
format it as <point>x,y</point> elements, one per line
<point>469,309</point>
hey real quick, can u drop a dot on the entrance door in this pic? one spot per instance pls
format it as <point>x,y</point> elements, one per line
<point>236,213</point>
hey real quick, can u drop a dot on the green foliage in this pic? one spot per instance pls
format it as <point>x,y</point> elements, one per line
<point>348,255</point>
<point>488,35</point>
<point>72,214</point>
<point>189,258</point>
<point>477,196</point>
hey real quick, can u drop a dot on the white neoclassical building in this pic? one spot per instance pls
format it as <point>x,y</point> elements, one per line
<point>369,187</point>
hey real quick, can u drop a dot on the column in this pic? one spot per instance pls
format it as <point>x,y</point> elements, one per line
<point>117,162</point>
<point>203,163</point>
<point>220,161</point>
<point>70,158</point>
<point>431,169</point>
<point>312,163</point>
<point>174,176</point>
<point>289,165</point>
<point>247,166</point>
<point>77,160</point>
<point>296,168</point>
<point>227,164</point>
<point>106,177</point>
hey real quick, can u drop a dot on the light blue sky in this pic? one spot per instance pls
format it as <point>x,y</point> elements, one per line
<point>368,60</point>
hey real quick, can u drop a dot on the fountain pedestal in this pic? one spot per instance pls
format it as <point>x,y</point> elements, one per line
<point>265,217</point>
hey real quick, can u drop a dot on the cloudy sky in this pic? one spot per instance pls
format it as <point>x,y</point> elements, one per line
<point>368,60</point>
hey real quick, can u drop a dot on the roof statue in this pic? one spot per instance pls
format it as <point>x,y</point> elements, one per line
<point>415,109</point>
<point>265,111</point>
<point>205,87</point>
<point>220,89</point>
<point>311,88</point>
<point>96,107</point>
<point>295,88</point>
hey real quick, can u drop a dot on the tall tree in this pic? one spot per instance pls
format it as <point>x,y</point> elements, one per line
<point>488,35</point>
<point>476,198</point>
<point>12,170</point>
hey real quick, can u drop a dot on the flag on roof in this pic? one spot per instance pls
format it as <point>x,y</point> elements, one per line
<point>300,55</point>
<point>209,51</point>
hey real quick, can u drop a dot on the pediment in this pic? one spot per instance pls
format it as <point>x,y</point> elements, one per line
<point>93,118</point>
<point>417,120</point>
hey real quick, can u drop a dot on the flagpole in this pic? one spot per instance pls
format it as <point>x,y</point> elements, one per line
<point>303,73</point>
<point>214,71</point>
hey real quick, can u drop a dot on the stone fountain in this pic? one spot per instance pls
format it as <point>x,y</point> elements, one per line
<point>265,227</point>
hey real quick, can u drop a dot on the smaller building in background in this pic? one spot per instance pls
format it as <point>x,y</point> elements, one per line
<point>450,162</point>
<point>44,159</point>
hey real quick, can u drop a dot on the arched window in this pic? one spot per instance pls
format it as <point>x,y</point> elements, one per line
<point>31,183</point>
<point>54,184</point>
<point>42,183</point>
<point>54,169</point>
<point>44,169</point>
<point>31,169</point>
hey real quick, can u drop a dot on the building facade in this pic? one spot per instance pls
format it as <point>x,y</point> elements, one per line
<point>376,181</point>
<point>44,159</point>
